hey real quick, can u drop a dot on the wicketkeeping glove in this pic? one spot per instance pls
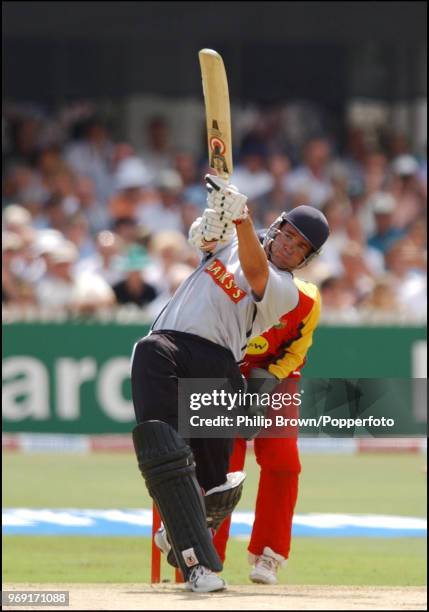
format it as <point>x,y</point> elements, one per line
<point>225,198</point>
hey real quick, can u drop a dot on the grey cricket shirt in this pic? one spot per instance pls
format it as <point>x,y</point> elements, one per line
<point>216,302</point>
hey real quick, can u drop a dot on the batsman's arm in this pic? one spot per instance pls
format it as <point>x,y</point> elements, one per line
<point>252,256</point>
<point>229,203</point>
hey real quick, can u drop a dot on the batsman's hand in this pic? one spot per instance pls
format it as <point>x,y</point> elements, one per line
<point>225,199</point>
<point>208,230</point>
<point>216,226</point>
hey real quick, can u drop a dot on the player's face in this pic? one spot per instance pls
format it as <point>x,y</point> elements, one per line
<point>289,248</point>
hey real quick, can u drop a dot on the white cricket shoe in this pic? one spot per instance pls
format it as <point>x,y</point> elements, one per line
<point>203,580</point>
<point>266,566</point>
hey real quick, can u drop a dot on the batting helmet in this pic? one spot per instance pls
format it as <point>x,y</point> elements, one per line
<point>310,222</point>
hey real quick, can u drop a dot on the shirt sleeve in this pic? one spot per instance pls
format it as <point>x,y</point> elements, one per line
<point>280,296</point>
<point>295,352</point>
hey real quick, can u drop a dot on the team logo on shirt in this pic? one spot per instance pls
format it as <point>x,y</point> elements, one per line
<point>257,346</point>
<point>225,280</point>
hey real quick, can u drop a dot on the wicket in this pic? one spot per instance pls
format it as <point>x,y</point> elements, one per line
<point>156,553</point>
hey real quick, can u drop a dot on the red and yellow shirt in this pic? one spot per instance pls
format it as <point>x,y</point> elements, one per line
<point>283,348</point>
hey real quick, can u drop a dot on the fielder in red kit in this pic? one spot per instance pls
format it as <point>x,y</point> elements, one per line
<point>281,352</point>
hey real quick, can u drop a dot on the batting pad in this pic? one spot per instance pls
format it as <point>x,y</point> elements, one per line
<point>167,466</point>
<point>221,501</point>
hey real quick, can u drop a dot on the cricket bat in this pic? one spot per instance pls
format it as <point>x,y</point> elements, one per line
<point>218,112</point>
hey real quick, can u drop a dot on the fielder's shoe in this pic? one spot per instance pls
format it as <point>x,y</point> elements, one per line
<point>203,580</point>
<point>266,566</point>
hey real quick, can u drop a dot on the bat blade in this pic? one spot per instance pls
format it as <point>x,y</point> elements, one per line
<point>218,112</point>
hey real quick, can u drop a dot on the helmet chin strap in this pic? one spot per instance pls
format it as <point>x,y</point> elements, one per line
<point>306,260</point>
<point>269,247</point>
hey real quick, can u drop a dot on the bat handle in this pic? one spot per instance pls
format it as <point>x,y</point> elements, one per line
<point>212,183</point>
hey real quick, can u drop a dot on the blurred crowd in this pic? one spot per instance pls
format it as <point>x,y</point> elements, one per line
<point>91,224</point>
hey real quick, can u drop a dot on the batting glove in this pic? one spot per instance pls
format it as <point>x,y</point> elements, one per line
<point>226,199</point>
<point>208,230</point>
<point>216,226</point>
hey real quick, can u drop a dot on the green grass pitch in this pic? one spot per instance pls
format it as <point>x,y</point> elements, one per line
<point>378,483</point>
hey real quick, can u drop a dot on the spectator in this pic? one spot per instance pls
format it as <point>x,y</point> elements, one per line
<point>338,301</point>
<point>340,178</point>
<point>251,175</point>
<point>134,289</point>
<point>24,185</point>
<point>406,190</point>
<point>51,194</point>
<point>381,304</point>
<point>166,248</point>
<point>409,281</point>
<point>397,144</point>
<point>121,152</point>
<point>46,242</point>
<point>186,165</point>
<point>106,261</point>
<point>77,231</point>
<point>50,164</point>
<point>54,214</point>
<point>15,290</point>
<point>166,213</point>
<point>62,289</point>
<point>25,133</point>
<point>356,272</point>
<point>337,212</point>
<point>132,179</point>
<point>383,206</point>
<point>277,199</point>
<point>127,230</point>
<point>92,156</point>
<point>157,154</point>
<point>375,168</point>
<point>176,275</point>
<point>356,151</point>
<point>194,194</point>
<point>16,219</point>
<point>311,180</point>
<point>417,235</point>
<point>374,259</point>
<point>96,212</point>
<point>55,290</point>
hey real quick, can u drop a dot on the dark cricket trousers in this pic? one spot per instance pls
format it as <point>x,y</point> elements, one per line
<point>159,360</point>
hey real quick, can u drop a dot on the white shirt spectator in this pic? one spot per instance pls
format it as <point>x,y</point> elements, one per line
<point>93,265</point>
<point>157,218</point>
<point>412,294</point>
<point>86,160</point>
<point>303,181</point>
<point>330,255</point>
<point>253,184</point>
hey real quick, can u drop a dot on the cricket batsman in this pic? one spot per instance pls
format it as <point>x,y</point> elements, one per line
<point>278,354</point>
<point>240,289</point>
